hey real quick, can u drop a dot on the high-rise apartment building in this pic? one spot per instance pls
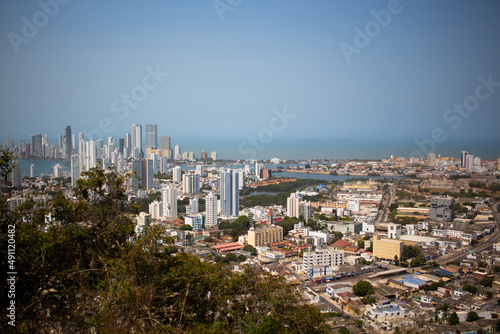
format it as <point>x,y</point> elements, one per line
<point>229,193</point>
<point>68,145</point>
<point>213,155</point>
<point>128,145</point>
<point>169,200</point>
<point>199,170</point>
<point>152,136</point>
<point>204,155</point>
<point>165,143</point>
<point>75,169</point>
<point>177,152</point>
<point>258,168</point>
<point>144,171</point>
<point>297,207</point>
<point>211,210</point>
<point>58,171</point>
<point>177,174</point>
<point>431,159</point>
<point>463,158</point>
<point>190,183</point>
<point>136,141</point>
<point>469,163</point>
<point>36,145</point>
<point>16,174</point>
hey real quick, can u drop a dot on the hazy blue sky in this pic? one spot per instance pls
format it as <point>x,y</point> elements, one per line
<point>228,71</point>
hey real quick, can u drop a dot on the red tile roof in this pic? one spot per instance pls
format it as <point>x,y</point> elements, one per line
<point>341,243</point>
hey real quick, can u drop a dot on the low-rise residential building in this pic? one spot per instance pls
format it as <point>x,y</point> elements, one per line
<point>384,311</point>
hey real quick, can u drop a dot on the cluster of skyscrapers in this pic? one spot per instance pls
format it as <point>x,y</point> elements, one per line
<point>467,161</point>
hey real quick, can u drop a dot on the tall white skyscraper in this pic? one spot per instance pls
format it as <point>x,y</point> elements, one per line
<point>169,200</point>
<point>137,140</point>
<point>292,204</point>
<point>75,169</point>
<point>211,210</point>
<point>213,155</point>
<point>297,207</point>
<point>177,174</point>
<point>177,152</point>
<point>229,193</point>
<point>92,154</point>
<point>32,170</point>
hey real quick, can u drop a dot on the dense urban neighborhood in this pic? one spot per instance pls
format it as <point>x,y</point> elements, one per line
<point>388,246</point>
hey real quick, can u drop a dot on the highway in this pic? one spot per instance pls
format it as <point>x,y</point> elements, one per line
<point>491,239</point>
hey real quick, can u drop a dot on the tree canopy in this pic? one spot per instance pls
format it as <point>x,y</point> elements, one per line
<point>363,288</point>
<point>88,272</point>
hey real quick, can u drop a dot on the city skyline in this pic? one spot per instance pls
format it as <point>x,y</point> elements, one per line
<point>367,70</point>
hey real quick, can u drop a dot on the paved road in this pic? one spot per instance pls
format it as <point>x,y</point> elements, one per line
<point>492,238</point>
<point>386,202</point>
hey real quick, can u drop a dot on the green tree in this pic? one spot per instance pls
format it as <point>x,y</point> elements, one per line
<point>487,281</point>
<point>251,249</point>
<point>241,258</point>
<point>453,319</point>
<point>231,257</point>
<point>470,288</point>
<point>363,288</point>
<point>186,227</point>
<point>208,239</point>
<point>472,316</point>
<point>6,164</point>
<point>344,330</point>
